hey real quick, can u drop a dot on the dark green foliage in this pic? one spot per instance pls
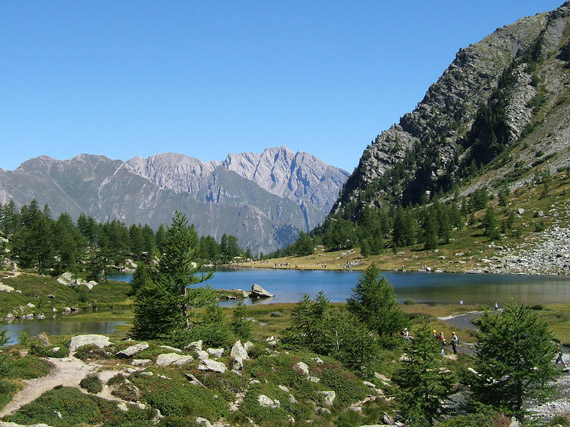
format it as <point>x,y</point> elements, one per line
<point>490,224</point>
<point>478,199</point>
<point>3,355</point>
<point>423,382</point>
<point>77,408</point>
<point>7,390</point>
<point>514,354</point>
<point>240,325</point>
<point>27,367</point>
<point>374,303</point>
<point>212,328</point>
<point>91,351</point>
<point>92,384</point>
<point>162,305</point>
<point>175,397</point>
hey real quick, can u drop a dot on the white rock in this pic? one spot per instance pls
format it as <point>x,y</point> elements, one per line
<point>328,397</point>
<point>140,362</point>
<point>217,352</point>
<point>263,400</point>
<point>202,355</point>
<point>177,350</point>
<point>6,288</point>
<point>194,346</point>
<point>132,350</point>
<point>173,359</point>
<point>203,421</point>
<point>301,368</point>
<point>100,341</point>
<point>212,365</point>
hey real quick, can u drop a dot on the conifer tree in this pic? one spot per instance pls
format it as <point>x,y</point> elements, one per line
<point>514,355</point>
<point>423,382</point>
<point>374,303</point>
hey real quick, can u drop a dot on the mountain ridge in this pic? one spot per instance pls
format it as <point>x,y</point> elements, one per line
<point>216,199</point>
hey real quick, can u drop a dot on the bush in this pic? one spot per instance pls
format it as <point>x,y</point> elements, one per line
<point>28,367</point>
<point>51,351</point>
<point>92,384</point>
<point>91,351</point>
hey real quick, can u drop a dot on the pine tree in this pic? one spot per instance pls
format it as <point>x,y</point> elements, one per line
<point>374,303</point>
<point>514,354</point>
<point>162,305</point>
<point>240,325</point>
<point>423,382</point>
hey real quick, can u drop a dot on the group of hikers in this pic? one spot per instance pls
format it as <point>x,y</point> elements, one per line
<point>440,337</point>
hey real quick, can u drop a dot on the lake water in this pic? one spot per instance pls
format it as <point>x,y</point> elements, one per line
<point>58,326</point>
<point>291,285</point>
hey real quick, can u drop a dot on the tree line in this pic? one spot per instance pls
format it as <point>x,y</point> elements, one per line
<point>376,230</point>
<point>33,239</point>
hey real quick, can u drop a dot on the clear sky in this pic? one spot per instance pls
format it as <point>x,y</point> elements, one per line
<point>206,78</point>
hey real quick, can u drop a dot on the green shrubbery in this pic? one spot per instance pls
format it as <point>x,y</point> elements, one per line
<point>27,367</point>
<point>92,384</point>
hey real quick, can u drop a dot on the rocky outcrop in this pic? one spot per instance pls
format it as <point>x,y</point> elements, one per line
<point>67,279</point>
<point>258,292</point>
<point>499,92</point>
<point>132,350</point>
<point>173,359</point>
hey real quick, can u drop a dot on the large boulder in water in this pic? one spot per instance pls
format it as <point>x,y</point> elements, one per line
<point>258,292</point>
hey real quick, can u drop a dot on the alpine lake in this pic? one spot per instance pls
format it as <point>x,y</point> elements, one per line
<point>289,286</point>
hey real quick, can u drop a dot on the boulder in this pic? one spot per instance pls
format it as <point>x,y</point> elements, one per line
<point>212,365</point>
<point>195,381</point>
<point>173,359</point>
<point>216,352</point>
<point>100,341</point>
<point>140,362</point>
<point>258,292</point>
<point>301,368</point>
<point>203,421</point>
<point>238,351</point>
<point>202,355</point>
<point>177,350</point>
<point>6,288</point>
<point>263,400</point>
<point>194,346</point>
<point>328,397</point>
<point>132,350</point>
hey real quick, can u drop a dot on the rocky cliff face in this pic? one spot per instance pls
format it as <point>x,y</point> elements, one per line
<point>509,89</point>
<point>264,210</point>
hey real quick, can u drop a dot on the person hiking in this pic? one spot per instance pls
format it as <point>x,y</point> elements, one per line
<point>442,342</point>
<point>454,342</point>
<point>559,358</point>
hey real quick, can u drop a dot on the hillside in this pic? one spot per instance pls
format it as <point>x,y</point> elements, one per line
<point>264,200</point>
<point>498,113</point>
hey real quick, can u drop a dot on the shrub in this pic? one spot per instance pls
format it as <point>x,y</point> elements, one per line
<point>28,367</point>
<point>51,351</point>
<point>92,384</point>
<point>91,351</point>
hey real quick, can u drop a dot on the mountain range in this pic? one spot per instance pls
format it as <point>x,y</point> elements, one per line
<point>264,200</point>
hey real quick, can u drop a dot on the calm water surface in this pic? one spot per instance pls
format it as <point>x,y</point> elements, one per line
<point>291,285</point>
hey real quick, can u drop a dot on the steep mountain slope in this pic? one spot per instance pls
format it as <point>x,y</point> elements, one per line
<point>500,108</point>
<point>215,199</point>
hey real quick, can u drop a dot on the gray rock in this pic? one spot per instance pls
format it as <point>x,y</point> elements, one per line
<point>194,346</point>
<point>132,350</point>
<point>212,365</point>
<point>263,400</point>
<point>301,368</point>
<point>328,397</point>
<point>140,362</point>
<point>202,355</point>
<point>100,341</point>
<point>238,354</point>
<point>203,421</point>
<point>195,381</point>
<point>173,359</point>
<point>6,288</point>
<point>217,352</point>
<point>258,292</point>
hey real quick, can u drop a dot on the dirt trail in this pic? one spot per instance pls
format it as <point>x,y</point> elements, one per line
<point>68,371</point>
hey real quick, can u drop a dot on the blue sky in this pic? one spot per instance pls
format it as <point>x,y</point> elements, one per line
<point>206,78</point>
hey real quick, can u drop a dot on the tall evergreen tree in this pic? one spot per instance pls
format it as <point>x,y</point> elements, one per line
<point>514,354</point>
<point>374,303</point>
<point>423,383</point>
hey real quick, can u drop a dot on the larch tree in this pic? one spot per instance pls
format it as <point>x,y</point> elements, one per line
<point>514,358</point>
<point>163,301</point>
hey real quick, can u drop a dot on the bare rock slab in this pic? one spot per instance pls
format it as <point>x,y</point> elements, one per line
<point>100,341</point>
